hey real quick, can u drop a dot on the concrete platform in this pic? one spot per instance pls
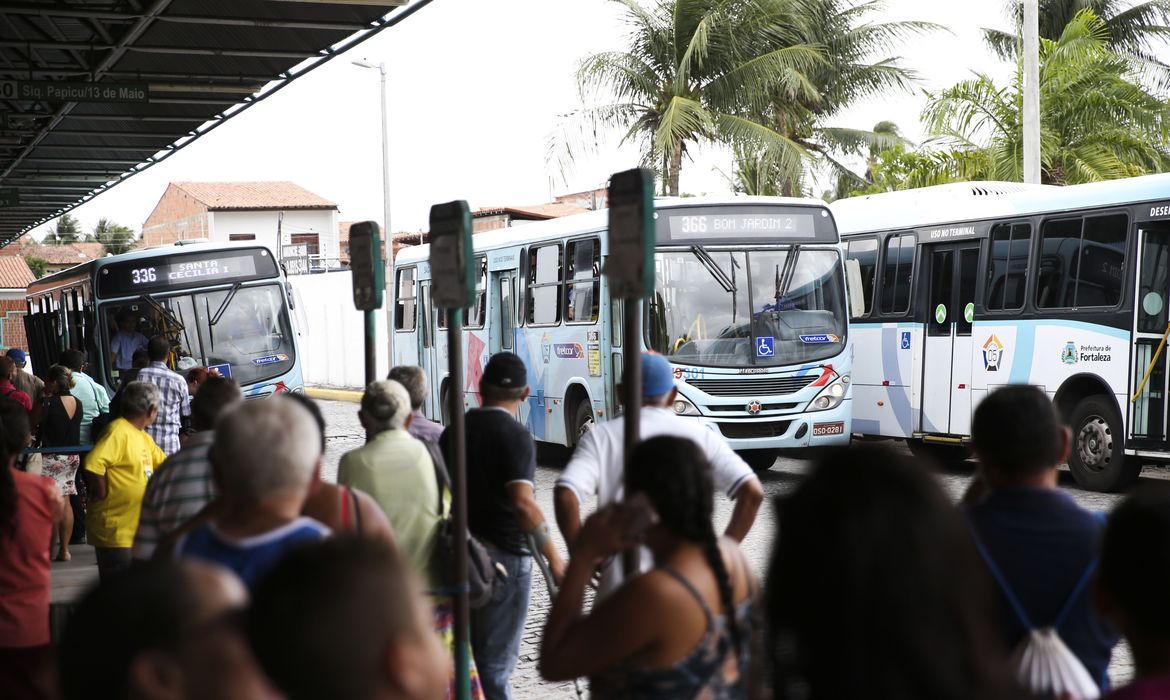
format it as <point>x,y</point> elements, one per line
<point>70,580</point>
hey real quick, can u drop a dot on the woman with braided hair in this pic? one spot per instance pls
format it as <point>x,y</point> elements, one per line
<point>682,629</point>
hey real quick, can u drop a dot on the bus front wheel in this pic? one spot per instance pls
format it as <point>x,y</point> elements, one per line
<point>582,421</point>
<point>759,460</point>
<point>1097,458</point>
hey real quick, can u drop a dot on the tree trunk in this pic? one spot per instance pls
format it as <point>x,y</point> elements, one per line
<point>673,171</point>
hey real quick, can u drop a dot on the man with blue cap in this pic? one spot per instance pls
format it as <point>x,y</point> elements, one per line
<point>26,381</point>
<point>597,466</point>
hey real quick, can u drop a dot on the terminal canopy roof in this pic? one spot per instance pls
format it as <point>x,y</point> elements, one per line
<point>94,91</point>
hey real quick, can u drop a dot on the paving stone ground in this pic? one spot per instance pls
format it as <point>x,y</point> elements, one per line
<point>345,434</point>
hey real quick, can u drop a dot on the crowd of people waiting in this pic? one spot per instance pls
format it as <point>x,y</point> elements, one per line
<point>229,569</point>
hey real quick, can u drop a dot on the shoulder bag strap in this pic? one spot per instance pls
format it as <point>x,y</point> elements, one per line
<point>1082,583</point>
<point>346,492</point>
<point>357,511</point>
<point>1017,607</point>
<point>442,476</point>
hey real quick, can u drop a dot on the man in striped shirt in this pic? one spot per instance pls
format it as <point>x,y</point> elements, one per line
<point>175,400</point>
<point>182,486</point>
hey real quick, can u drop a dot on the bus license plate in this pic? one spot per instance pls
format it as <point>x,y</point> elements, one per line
<point>822,429</point>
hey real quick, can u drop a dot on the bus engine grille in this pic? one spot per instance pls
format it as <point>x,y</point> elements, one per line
<point>752,387</point>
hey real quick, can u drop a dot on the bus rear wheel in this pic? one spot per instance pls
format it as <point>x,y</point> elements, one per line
<point>759,460</point>
<point>1097,457</point>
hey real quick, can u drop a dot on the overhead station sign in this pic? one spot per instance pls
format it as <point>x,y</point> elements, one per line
<point>61,91</point>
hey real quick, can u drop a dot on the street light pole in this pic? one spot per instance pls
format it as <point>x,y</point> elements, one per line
<point>1030,50</point>
<point>388,236</point>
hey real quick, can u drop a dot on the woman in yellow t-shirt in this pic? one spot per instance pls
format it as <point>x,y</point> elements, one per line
<point>117,471</point>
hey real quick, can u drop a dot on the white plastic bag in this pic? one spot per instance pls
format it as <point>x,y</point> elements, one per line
<point>1045,664</point>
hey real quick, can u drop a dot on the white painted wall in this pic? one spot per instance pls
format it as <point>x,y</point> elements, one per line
<point>331,331</point>
<point>222,224</point>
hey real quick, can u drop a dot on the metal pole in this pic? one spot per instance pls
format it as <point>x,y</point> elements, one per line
<point>389,236</point>
<point>631,400</point>
<point>458,467</point>
<point>1031,58</point>
<point>371,350</point>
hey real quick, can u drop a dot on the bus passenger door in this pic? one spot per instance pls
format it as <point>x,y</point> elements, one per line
<point>1149,410</point>
<point>946,366</point>
<point>502,321</point>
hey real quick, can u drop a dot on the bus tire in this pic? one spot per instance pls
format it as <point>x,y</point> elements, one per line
<point>759,460</point>
<point>1097,457</point>
<point>582,421</point>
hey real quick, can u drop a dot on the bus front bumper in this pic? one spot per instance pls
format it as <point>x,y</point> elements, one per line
<point>786,431</point>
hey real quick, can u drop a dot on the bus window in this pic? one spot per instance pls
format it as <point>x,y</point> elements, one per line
<point>1082,262</point>
<point>425,298</point>
<point>404,300</point>
<point>507,313</point>
<point>473,315</point>
<point>1153,285</point>
<point>544,285</point>
<point>1099,279</point>
<point>864,251</point>
<point>897,274</point>
<point>615,322</point>
<point>478,311</point>
<point>1007,266</point>
<point>583,290</point>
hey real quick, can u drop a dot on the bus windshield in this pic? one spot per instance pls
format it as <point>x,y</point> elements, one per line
<point>243,332</point>
<point>742,308</point>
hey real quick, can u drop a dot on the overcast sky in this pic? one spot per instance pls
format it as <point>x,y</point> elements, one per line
<point>475,89</point>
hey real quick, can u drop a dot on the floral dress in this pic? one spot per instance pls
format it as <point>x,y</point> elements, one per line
<point>59,429</point>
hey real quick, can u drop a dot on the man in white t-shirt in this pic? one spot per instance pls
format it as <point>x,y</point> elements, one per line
<point>597,466</point>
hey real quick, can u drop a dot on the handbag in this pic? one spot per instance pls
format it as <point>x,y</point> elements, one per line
<point>483,573</point>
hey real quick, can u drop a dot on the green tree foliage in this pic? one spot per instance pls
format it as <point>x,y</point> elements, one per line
<point>1096,122</point>
<point>693,71</point>
<point>115,237</point>
<point>68,230</point>
<point>857,64</point>
<point>39,266</point>
<point>1132,29</point>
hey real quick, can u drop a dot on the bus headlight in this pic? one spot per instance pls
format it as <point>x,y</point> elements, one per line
<point>683,407</point>
<point>831,396</point>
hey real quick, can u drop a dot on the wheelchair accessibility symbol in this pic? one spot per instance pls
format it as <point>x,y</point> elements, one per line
<point>765,346</point>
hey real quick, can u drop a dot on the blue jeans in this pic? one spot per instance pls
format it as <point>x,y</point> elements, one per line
<point>496,628</point>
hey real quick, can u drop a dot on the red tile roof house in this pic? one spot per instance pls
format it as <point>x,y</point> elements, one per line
<point>58,257</point>
<point>290,220</point>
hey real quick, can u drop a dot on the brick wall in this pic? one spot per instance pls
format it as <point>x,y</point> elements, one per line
<point>12,324</point>
<point>492,222</point>
<point>177,216</point>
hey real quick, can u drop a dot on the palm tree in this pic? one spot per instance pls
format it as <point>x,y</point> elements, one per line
<point>114,237</point>
<point>857,65</point>
<point>694,72</point>
<point>1095,123</point>
<point>1131,29</point>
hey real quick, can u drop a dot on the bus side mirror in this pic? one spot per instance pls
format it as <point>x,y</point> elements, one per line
<point>854,284</point>
<point>288,292</point>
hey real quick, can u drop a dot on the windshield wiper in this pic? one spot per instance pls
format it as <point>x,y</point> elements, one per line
<point>717,272</point>
<point>783,283</point>
<point>164,312</point>
<point>227,300</point>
